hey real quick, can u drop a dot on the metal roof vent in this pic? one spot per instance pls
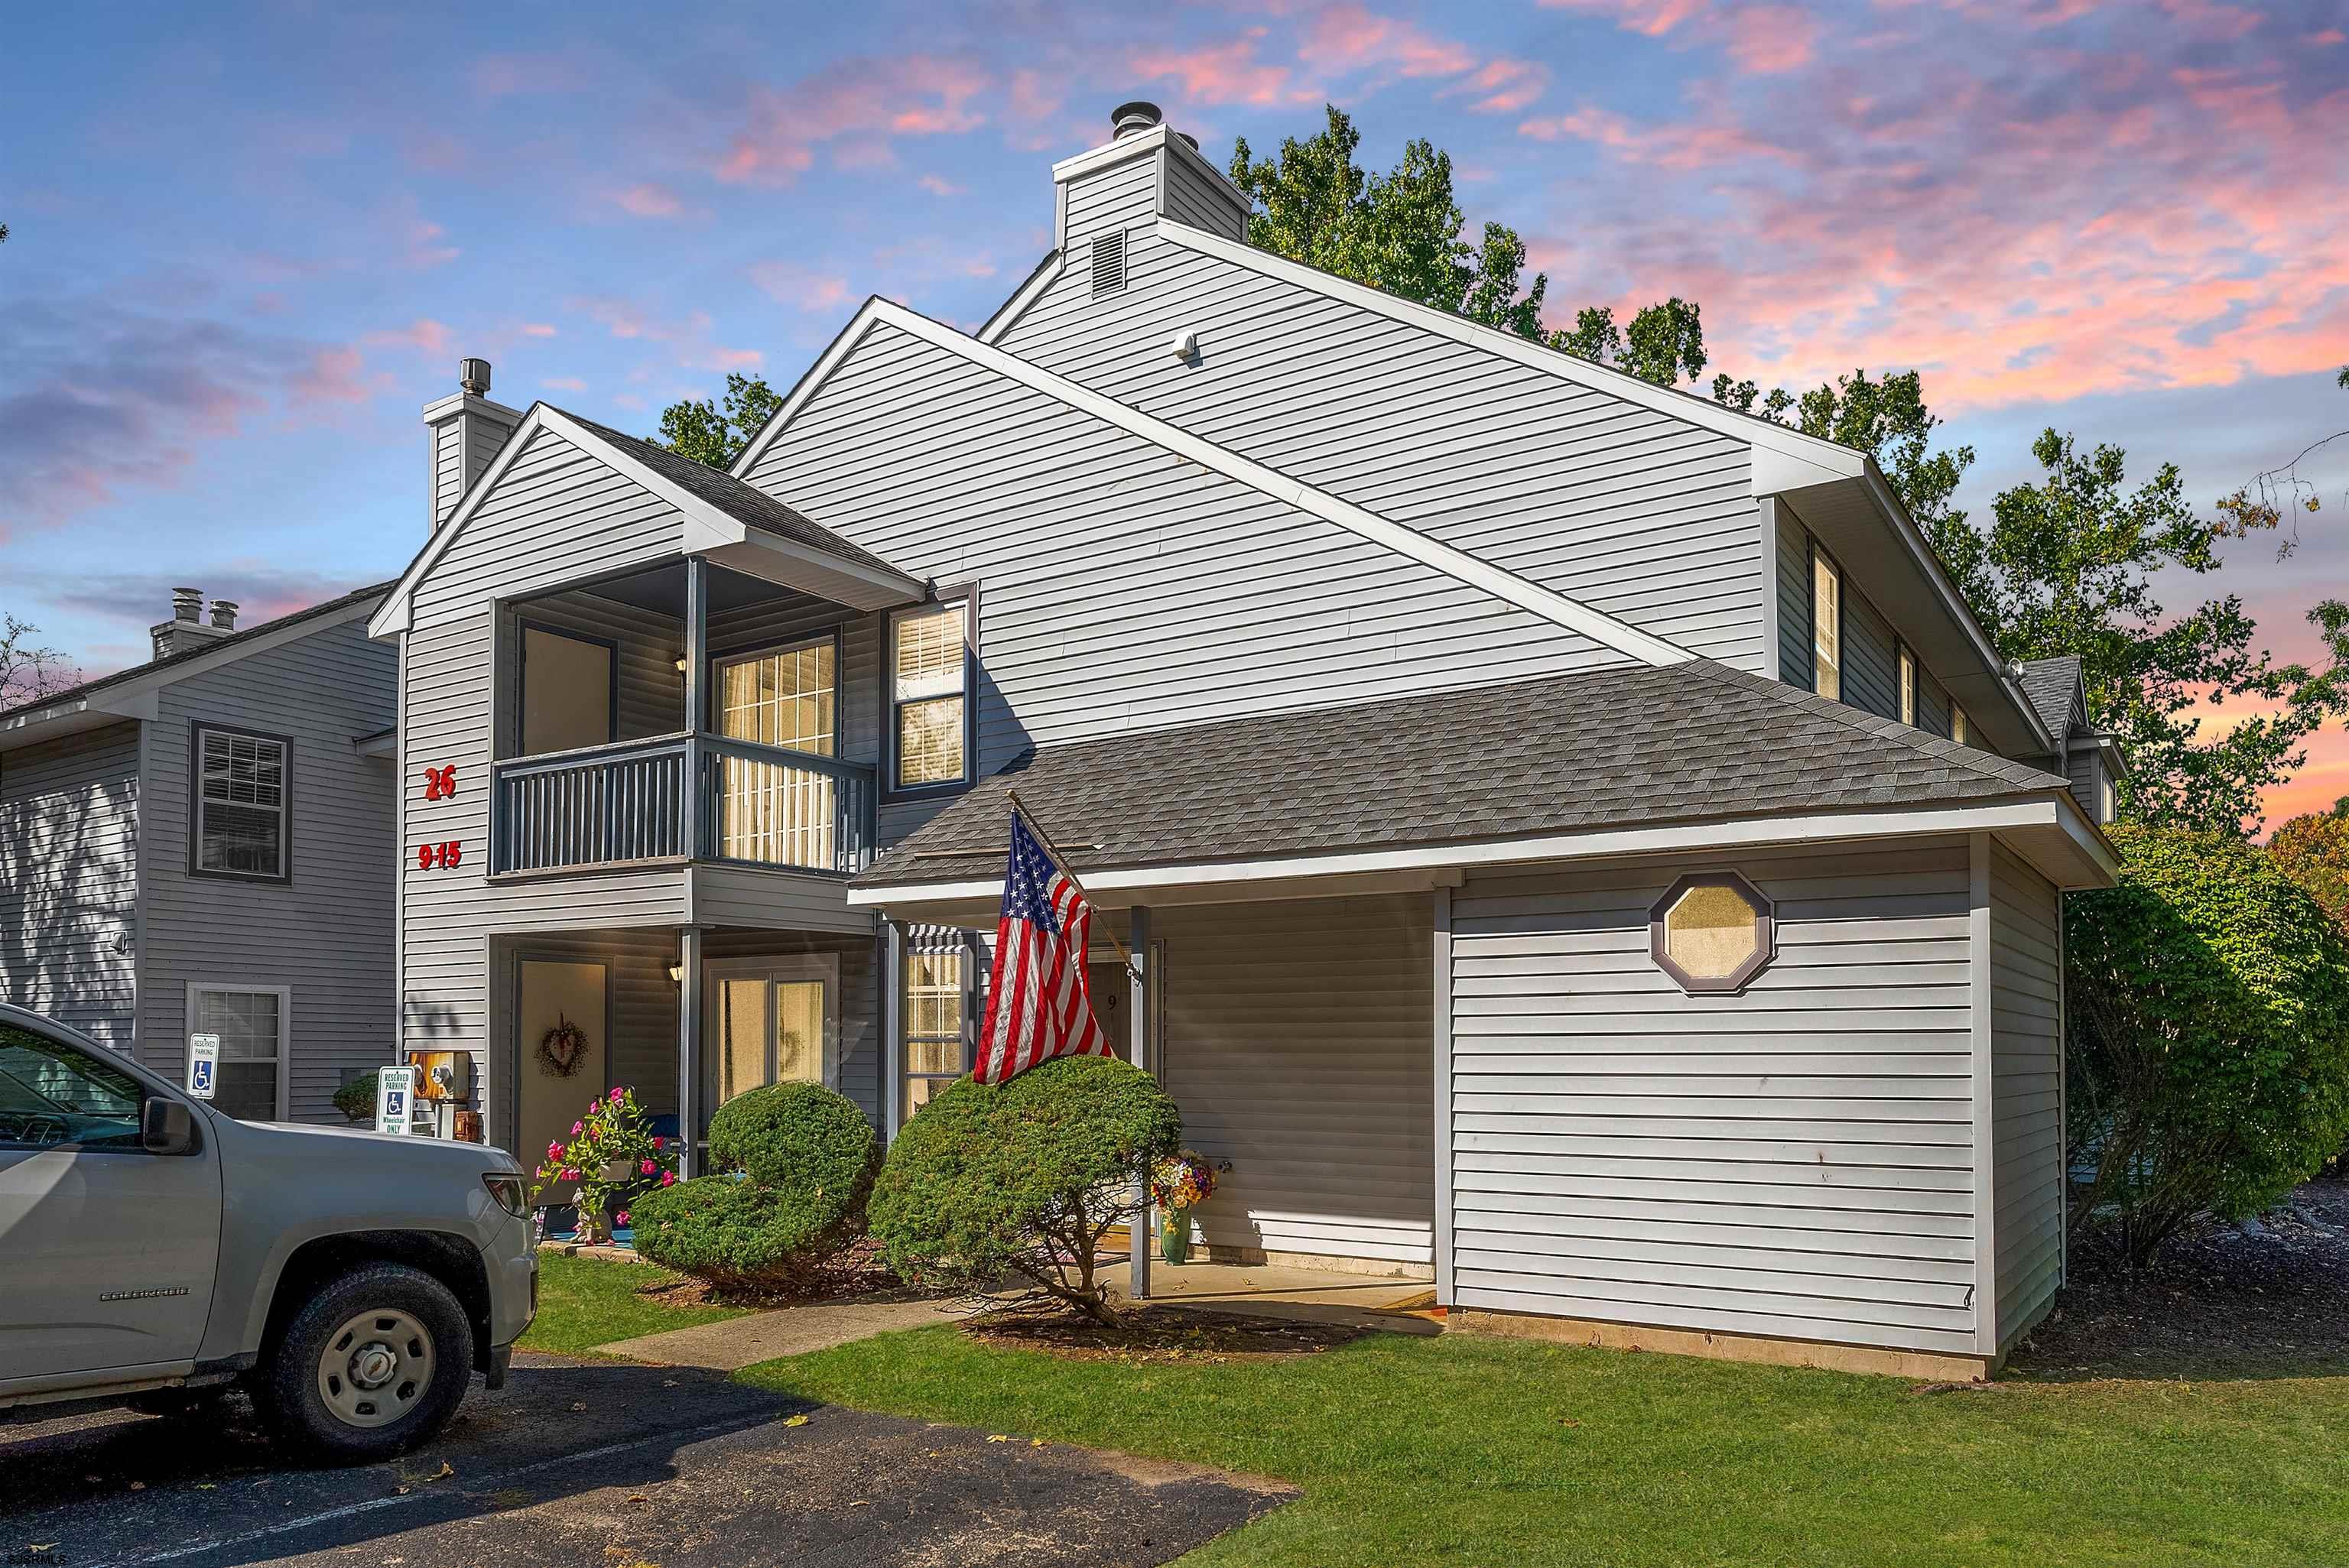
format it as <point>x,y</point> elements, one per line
<point>1134,119</point>
<point>473,376</point>
<point>1109,263</point>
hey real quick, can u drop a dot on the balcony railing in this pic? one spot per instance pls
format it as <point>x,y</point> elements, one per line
<point>748,804</point>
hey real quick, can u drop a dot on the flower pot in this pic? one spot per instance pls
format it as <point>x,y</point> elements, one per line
<point>1175,1235</point>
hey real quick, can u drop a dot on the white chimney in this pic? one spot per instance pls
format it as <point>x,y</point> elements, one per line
<point>1146,170</point>
<point>466,429</point>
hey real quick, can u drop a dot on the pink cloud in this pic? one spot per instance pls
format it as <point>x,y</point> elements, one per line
<point>563,383</point>
<point>1768,38</point>
<point>854,103</point>
<point>424,249</point>
<point>939,185</point>
<point>1504,85</point>
<point>1664,144</point>
<point>1652,18</point>
<point>537,330</point>
<point>647,200</point>
<point>787,283</point>
<point>1228,73</point>
<point>336,375</point>
<point>1348,36</point>
<point>424,334</point>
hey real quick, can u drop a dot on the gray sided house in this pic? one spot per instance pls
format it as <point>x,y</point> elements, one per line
<point>197,844</point>
<point>1579,849</point>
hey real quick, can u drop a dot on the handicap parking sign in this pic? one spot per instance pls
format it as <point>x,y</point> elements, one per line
<point>203,1065</point>
<point>395,1092</point>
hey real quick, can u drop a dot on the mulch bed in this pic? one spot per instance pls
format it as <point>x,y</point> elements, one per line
<point>2265,1299</point>
<point>1164,1335</point>
<point>857,1274</point>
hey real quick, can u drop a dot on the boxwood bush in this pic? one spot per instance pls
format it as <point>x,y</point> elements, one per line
<point>2208,1048</point>
<point>795,1164</point>
<point>1004,1191</point>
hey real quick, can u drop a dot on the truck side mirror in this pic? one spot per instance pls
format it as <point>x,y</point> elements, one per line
<point>166,1126</point>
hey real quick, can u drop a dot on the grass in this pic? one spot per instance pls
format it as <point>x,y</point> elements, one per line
<point>1480,1450</point>
<point>586,1302</point>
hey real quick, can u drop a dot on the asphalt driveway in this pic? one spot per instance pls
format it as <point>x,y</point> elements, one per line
<point>611,1465</point>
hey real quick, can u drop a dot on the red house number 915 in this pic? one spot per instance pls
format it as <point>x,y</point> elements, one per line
<point>439,857</point>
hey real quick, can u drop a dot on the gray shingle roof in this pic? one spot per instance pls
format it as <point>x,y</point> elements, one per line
<point>743,502</point>
<point>2051,685</point>
<point>1638,745</point>
<point>203,650</point>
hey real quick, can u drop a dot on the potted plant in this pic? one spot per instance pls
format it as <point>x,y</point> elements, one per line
<point>612,1153</point>
<point>1178,1185</point>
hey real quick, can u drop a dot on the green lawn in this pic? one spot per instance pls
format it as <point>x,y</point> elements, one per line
<point>1481,1450</point>
<point>586,1302</point>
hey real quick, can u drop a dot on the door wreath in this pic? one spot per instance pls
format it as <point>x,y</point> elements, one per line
<point>562,1049</point>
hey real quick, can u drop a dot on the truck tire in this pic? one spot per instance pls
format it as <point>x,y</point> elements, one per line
<point>371,1364</point>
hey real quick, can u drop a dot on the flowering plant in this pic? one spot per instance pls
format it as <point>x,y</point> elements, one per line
<point>612,1152</point>
<point>1182,1181</point>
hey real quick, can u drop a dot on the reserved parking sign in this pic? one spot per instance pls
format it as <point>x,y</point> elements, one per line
<point>395,1098</point>
<point>203,1065</point>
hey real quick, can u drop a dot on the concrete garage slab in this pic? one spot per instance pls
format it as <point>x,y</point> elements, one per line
<point>609,1464</point>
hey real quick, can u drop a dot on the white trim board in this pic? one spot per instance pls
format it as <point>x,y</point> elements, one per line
<point>2038,828</point>
<point>1507,586</point>
<point>709,529</point>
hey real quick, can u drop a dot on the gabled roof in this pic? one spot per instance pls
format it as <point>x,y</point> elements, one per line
<point>109,694</point>
<point>721,511</point>
<point>1526,594</point>
<point>2056,691</point>
<point>1698,742</point>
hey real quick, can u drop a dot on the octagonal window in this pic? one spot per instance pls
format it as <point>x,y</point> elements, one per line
<point>1712,932</point>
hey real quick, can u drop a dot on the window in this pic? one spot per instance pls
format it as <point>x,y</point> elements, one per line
<point>1959,730</point>
<point>933,1023</point>
<point>929,727</point>
<point>782,698</point>
<point>1827,626</point>
<point>241,805</point>
<point>56,1096</point>
<point>251,1022</point>
<point>1908,686</point>
<point>769,811</point>
<point>1712,931</point>
<point>773,1020</point>
<point>2108,807</point>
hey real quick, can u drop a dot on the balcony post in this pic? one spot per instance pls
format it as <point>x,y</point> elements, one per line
<point>1140,983</point>
<point>696,666</point>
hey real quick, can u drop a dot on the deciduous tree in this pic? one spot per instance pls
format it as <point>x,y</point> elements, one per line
<point>29,671</point>
<point>714,433</point>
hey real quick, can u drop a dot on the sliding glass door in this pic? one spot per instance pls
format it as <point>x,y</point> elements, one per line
<point>768,812</point>
<point>772,1020</point>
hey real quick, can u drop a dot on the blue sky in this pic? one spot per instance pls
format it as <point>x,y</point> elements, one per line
<point>250,243</point>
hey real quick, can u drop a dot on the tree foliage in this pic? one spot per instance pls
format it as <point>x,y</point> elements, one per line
<point>1016,1183</point>
<point>2313,851</point>
<point>796,1165</point>
<point>30,671</point>
<point>714,434</point>
<point>2209,1044</point>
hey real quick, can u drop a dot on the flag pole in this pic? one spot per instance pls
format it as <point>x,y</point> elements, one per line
<point>1058,860</point>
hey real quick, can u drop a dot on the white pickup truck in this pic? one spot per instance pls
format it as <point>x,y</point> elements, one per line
<point>156,1252</point>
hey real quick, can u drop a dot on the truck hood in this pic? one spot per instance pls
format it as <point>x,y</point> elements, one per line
<point>439,1154</point>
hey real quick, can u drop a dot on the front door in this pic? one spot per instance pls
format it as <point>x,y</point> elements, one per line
<point>772,1020</point>
<point>561,1035</point>
<point>107,1251</point>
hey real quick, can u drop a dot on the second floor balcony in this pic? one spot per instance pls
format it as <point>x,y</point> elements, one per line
<point>678,796</point>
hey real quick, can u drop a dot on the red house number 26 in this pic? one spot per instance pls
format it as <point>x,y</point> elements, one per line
<point>441,856</point>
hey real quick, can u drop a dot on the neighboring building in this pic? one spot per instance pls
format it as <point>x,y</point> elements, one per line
<point>1533,792</point>
<point>198,844</point>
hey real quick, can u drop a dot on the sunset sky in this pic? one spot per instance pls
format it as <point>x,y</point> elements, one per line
<point>249,246</point>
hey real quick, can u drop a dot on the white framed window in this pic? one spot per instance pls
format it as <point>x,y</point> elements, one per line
<point>254,1024</point>
<point>1826,625</point>
<point>241,802</point>
<point>1908,686</point>
<point>937,997</point>
<point>2108,806</point>
<point>929,696</point>
<point>1959,730</point>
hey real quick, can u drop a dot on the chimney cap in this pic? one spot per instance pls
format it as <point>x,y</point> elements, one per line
<point>1134,119</point>
<point>187,604</point>
<point>224,614</point>
<point>473,376</point>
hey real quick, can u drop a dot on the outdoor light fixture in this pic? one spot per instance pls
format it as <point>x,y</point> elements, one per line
<point>677,973</point>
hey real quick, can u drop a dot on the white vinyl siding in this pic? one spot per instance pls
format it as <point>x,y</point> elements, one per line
<point>2027,1055</point>
<point>1295,1038</point>
<point>1795,1160</point>
<point>69,827</point>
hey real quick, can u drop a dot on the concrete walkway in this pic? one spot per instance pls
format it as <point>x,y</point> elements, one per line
<point>740,1342</point>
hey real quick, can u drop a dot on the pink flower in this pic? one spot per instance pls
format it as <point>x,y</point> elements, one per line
<point>570,1175</point>
<point>621,1218</point>
<point>646,1169</point>
<point>617,1093</point>
<point>660,1143</point>
<point>669,1178</point>
<point>594,1105</point>
<point>577,1128</point>
<point>554,1150</point>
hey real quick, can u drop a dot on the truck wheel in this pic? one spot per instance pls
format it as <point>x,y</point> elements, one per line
<point>373,1364</point>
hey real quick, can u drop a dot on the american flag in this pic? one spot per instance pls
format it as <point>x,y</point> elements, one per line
<point>1038,1004</point>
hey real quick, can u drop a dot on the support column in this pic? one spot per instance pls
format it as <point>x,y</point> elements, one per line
<point>1141,985</point>
<point>893,1030</point>
<point>688,1051</point>
<point>1442,1001</point>
<point>697,701</point>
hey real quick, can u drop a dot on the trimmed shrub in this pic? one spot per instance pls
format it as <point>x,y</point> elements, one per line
<point>799,1162</point>
<point>2208,1049</point>
<point>1014,1184</point>
<point>356,1099</point>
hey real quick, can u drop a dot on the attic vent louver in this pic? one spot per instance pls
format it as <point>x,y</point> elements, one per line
<point>1109,263</point>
